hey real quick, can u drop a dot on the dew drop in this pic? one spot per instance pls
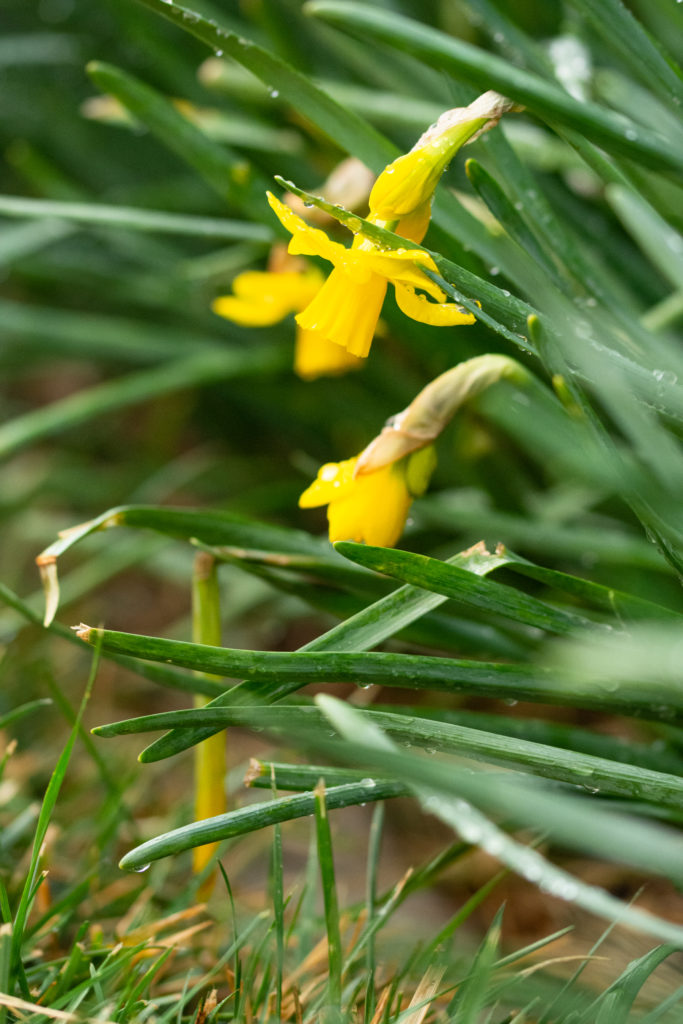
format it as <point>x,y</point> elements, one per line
<point>143,867</point>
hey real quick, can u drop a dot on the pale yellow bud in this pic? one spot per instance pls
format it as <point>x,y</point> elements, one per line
<point>410,180</point>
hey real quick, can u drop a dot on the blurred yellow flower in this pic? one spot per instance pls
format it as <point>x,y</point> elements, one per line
<point>369,507</point>
<point>262,297</point>
<point>346,308</point>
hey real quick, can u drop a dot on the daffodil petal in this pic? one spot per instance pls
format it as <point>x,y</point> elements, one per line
<point>262,298</point>
<point>374,512</point>
<point>334,480</point>
<point>345,312</point>
<point>436,314</point>
<point>315,356</point>
<point>305,241</point>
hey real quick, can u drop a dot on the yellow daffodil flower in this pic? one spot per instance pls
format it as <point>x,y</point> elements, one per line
<point>261,298</point>
<point>346,309</point>
<point>369,507</point>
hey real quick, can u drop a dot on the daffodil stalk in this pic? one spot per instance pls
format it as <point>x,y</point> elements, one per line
<point>368,496</point>
<point>210,758</point>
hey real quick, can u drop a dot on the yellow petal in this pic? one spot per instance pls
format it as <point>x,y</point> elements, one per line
<point>333,481</point>
<point>399,265</point>
<point>262,298</point>
<point>305,241</point>
<point>414,224</point>
<point>315,356</point>
<point>405,184</point>
<point>437,314</point>
<point>410,180</point>
<point>374,512</point>
<point>345,312</point>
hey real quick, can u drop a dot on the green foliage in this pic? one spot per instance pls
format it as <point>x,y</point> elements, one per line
<point>544,567</point>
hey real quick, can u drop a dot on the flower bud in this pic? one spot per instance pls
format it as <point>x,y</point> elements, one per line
<point>410,180</point>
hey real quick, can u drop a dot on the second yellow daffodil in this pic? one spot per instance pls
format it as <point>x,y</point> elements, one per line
<point>263,297</point>
<point>370,507</point>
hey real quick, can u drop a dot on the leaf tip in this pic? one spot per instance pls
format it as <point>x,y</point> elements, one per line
<point>256,770</point>
<point>84,632</point>
<point>47,564</point>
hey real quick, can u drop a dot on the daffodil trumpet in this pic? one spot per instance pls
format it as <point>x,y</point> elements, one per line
<point>371,508</point>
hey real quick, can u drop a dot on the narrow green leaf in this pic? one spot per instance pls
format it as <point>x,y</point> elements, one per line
<point>40,48</point>
<point>608,130</point>
<point>460,585</point>
<point>472,995</point>
<point>229,175</point>
<point>328,881</point>
<point>445,791</point>
<point>626,606</point>
<point>276,674</point>
<point>26,239</point>
<point>132,389</point>
<point>361,631</point>
<point>440,630</point>
<point>292,670</point>
<point>48,805</point>
<point>96,336</point>
<point>504,211</point>
<point>249,819</point>
<point>132,218</point>
<point>16,714</point>
<point>341,126</point>
<point>625,36</point>
<point>5,964</point>
<point>660,242</point>
<point>597,774</point>
<point>608,544</point>
<point>614,1005</point>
